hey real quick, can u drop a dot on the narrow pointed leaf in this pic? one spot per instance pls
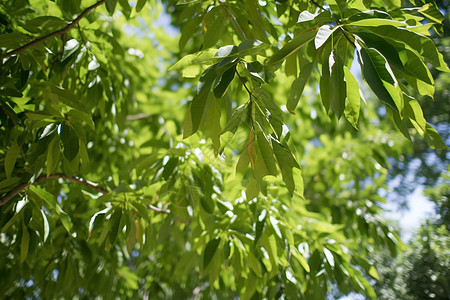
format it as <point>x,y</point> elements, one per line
<point>70,141</point>
<point>380,78</point>
<point>10,158</point>
<point>352,108</point>
<point>297,87</point>
<point>209,252</point>
<point>323,35</point>
<point>290,48</point>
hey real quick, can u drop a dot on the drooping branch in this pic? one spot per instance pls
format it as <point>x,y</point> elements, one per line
<point>42,178</point>
<point>55,33</point>
<point>86,183</point>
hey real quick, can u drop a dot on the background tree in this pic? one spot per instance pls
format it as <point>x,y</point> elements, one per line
<point>104,194</point>
<point>422,271</point>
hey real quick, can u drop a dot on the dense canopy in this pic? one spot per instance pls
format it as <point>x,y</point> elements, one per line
<point>205,149</point>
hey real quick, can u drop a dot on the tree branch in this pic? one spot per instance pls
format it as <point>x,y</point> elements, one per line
<point>55,33</point>
<point>86,183</point>
<point>317,4</point>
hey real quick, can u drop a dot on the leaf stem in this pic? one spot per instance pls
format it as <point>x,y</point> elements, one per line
<point>53,34</point>
<point>243,83</point>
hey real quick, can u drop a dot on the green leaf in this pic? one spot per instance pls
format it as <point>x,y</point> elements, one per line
<point>375,22</point>
<point>373,272</point>
<point>115,227</point>
<point>290,48</point>
<point>264,161</point>
<point>38,193</point>
<point>140,5</point>
<point>380,78</point>
<point>338,87</point>
<point>212,127</point>
<point>244,160</point>
<point>65,219</point>
<point>46,226</point>
<point>254,264</point>
<point>24,243</point>
<point>209,252</point>
<point>422,45</point>
<point>197,58</point>
<point>253,189</point>
<point>181,2</point>
<point>197,106</point>
<point>11,157</point>
<point>53,153</point>
<point>324,85</point>
<point>300,259</point>
<point>329,256</point>
<point>352,107</point>
<point>323,35</point>
<point>431,11</point>
<point>8,182</point>
<point>433,139</point>
<point>223,82</point>
<point>286,161</point>
<point>386,49</point>
<point>256,19</point>
<point>169,167</point>
<point>70,141</point>
<point>111,6</point>
<point>13,40</point>
<point>415,114</point>
<point>297,87</point>
<point>418,75</point>
<point>236,118</point>
<point>78,116</point>
<point>44,23</point>
<point>269,110</point>
<point>214,26</point>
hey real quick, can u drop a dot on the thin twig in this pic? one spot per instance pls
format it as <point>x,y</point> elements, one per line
<point>42,178</point>
<point>86,183</point>
<point>154,208</point>
<point>345,35</point>
<point>55,33</point>
<point>317,4</point>
<point>243,83</point>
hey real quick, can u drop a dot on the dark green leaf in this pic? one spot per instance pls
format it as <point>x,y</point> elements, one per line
<point>338,86</point>
<point>381,79</point>
<point>140,4</point>
<point>297,87</point>
<point>53,153</point>
<point>10,158</point>
<point>111,6</point>
<point>70,141</point>
<point>209,251</point>
<point>223,82</point>
<point>25,243</point>
<point>115,228</point>
<point>286,161</point>
<point>197,106</point>
<point>38,193</point>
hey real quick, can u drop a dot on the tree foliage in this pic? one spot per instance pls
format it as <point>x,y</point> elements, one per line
<point>266,187</point>
<point>422,271</point>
